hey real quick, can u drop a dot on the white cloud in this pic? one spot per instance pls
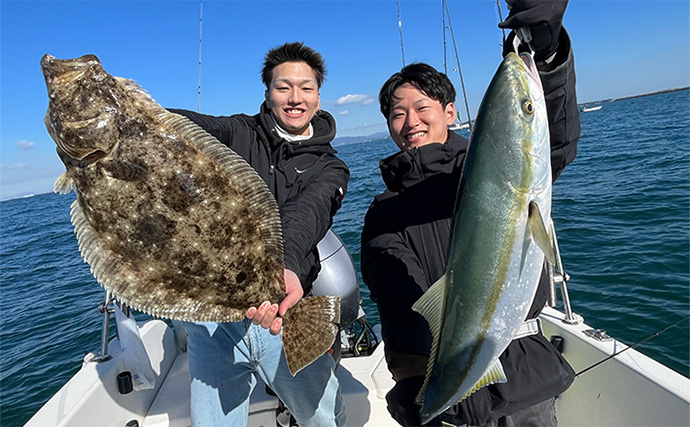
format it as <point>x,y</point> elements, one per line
<point>25,145</point>
<point>17,166</point>
<point>368,126</point>
<point>344,113</point>
<point>354,99</point>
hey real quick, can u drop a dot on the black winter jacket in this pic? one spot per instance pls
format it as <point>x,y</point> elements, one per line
<point>404,248</point>
<point>306,178</point>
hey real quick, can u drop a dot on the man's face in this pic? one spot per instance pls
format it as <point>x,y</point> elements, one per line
<point>293,96</point>
<point>416,120</point>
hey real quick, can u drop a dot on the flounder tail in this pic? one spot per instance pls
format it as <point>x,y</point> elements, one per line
<point>309,330</point>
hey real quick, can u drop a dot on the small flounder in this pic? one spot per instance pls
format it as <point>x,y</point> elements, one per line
<point>171,221</point>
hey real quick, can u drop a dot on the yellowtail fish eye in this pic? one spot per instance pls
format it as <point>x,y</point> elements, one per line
<point>527,106</point>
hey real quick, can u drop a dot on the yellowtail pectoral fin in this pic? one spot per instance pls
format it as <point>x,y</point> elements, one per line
<point>63,184</point>
<point>539,233</point>
<point>309,330</point>
<point>494,375</point>
<point>430,305</point>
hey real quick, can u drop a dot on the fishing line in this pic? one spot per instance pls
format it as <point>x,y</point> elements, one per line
<point>632,346</point>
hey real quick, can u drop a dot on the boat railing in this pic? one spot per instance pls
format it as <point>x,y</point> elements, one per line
<point>558,277</point>
<point>107,307</point>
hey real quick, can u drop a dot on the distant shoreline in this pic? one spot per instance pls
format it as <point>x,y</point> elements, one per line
<point>654,93</point>
<point>635,96</point>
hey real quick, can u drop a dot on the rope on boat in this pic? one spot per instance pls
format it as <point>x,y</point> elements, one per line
<point>657,333</point>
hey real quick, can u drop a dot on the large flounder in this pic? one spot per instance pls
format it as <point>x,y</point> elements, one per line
<point>171,221</point>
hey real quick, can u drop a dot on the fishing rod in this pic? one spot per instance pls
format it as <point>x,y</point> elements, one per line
<point>198,88</point>
<point>444,5</point>
<point>632,346</point>
<point>402,48</point>
<point>500,19</point>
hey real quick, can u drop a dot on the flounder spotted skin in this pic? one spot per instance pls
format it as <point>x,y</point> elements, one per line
<point>174,223</point>
<point>171,221</point>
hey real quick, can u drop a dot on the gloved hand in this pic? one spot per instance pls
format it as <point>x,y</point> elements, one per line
<point>543,18</point>
<point>401,401</point>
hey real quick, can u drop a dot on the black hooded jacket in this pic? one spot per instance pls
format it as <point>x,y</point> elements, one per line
<point>405,240</point>
<point>306,178</point>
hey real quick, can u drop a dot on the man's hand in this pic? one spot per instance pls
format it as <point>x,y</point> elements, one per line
<point>401,401</point>
<point>267,314</point>
<point>543,18</point>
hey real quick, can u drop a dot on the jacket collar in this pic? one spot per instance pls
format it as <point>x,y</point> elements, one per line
<point>408,167</point>
<point>322,123</point>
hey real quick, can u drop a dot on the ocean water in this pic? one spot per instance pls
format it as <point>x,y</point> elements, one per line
<point>622,215</point>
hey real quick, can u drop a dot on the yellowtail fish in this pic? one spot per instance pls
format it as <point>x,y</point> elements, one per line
<point>499,240</point>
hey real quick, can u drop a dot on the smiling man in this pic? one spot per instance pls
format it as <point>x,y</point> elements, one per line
<point>288,143</point>
<point>414,117</point>
<point>407,229</point>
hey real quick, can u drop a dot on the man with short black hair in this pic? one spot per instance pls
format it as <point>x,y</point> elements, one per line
<point>288,143</point>
<point>407,230</point>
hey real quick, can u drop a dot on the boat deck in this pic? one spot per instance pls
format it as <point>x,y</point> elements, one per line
<point>628,390</point>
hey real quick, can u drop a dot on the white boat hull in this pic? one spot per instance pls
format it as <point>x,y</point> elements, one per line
<point>628,390</point>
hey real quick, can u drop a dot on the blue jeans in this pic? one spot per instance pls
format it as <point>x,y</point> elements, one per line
<point>223,361</point>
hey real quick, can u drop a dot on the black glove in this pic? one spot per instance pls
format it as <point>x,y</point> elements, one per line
<point>401,402</point>
<point>543,18</point>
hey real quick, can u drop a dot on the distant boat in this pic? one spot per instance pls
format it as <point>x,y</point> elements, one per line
<point>459,126</point>
<point>586,109</point>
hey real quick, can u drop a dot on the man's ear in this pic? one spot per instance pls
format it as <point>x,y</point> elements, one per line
<point>450,113</point>
<point>267,98</point>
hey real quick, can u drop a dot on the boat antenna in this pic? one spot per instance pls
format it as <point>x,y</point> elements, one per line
<point>402,48</point>
<point>457,57</point>
<point>633,346</point>
<point>198,88</point>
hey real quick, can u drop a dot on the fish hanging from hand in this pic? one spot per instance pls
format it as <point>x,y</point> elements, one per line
<point>499,240</point>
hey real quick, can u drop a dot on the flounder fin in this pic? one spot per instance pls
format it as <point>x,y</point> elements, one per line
<point>125,171</point>
<point>250,184</point>
<point>494,375</point>
<point>309,330</point>
<point>63,185</point>
<point>105,266</point>
<point>115,275</point>
<point>539,234</point>
<point>430,305</point>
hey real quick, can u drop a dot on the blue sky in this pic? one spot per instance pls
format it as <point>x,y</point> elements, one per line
<point>621,48</point>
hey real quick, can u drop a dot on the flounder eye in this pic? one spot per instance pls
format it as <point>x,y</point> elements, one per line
<point>527,106</point>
